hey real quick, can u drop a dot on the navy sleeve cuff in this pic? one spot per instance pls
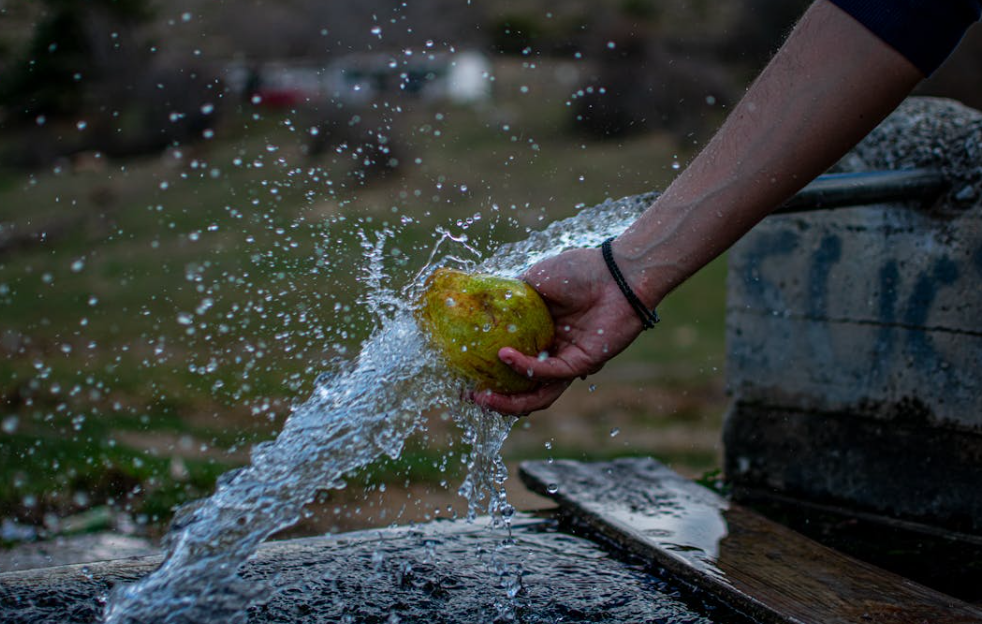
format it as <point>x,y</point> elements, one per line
<point>923,31</point>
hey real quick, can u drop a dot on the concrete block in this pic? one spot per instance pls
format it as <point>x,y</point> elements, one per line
<point>854,338</point>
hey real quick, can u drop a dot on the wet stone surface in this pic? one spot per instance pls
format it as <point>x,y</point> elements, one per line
<point>436,573</point>
<point>64,550</point>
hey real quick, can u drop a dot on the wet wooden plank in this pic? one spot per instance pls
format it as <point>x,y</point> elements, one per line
<point>757,566</point>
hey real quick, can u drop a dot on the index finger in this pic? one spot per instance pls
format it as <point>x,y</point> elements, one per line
<point>547,368</point>
<point>521,404</point>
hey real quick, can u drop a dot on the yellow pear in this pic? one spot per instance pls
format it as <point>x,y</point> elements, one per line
<point>470,316</point>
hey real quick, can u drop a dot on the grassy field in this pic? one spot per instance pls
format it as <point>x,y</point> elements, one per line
<point>161,315</point>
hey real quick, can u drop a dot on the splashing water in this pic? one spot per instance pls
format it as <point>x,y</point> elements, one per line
<point>354,416</point>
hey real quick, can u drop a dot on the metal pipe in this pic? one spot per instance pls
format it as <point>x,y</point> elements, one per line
<point>839,190</point>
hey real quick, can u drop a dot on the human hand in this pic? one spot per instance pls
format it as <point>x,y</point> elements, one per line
<point>594,322</point>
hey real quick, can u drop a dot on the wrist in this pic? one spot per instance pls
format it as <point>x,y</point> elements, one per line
<point>644,312</point>
<point>650,281</point>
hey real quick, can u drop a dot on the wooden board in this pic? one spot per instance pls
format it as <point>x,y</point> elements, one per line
<point>755,565</point>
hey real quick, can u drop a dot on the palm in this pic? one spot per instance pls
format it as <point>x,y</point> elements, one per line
<point>593,324</point>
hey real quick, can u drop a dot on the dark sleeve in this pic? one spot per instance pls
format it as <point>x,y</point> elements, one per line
<point>924,31</point>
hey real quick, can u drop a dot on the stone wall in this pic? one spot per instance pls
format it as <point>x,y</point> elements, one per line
<point>854,350</point>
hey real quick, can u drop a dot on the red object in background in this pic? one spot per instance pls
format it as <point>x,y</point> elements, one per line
<point>281,98</point>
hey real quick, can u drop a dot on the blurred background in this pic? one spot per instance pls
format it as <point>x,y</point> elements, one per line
<point>187,190</point>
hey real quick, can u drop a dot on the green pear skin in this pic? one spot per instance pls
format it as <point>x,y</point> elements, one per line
<point>470,316</point>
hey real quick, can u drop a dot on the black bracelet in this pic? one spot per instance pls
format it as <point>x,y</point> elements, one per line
<point>648,317</point>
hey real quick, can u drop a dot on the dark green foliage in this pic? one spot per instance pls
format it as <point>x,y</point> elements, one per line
<point>644,9</point>
<point>67,55</point>
<point>511,34</point>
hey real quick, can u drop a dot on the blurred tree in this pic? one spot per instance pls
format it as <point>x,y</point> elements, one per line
<point>640,83</point>
<point>92,62</point>
<point>71,49</point>
<point>641,9</point>
<point>512,34</point>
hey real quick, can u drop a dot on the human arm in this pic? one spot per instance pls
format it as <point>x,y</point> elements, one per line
<point>827,87</point>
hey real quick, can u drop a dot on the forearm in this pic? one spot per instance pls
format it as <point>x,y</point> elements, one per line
<point>825,89</point>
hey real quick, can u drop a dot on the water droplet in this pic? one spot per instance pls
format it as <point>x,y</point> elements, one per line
<point>78,265</point>
<point>552,488</point>
<point>9,424</point>
<point>614,432</point>
<point>82,125</point>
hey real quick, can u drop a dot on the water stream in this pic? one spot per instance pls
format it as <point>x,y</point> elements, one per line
<point>356,414</point>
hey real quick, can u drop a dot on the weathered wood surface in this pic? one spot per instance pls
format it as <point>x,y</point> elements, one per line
<point>759,567</point>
